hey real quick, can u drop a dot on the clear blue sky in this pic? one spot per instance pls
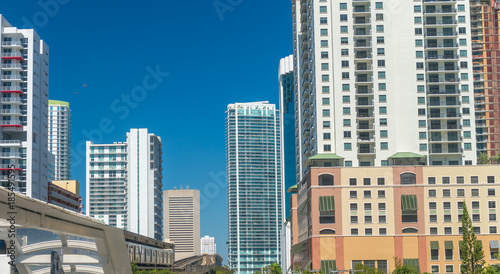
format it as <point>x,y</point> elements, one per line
<point>100,50</point>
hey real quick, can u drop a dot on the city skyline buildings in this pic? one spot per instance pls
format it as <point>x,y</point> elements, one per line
<point>60,138</point>
<point>366,97</point>
<point>24,123</point>
<point>254,185</point>
<point>208,245</point>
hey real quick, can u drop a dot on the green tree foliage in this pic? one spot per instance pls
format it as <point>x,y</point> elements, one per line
<point>361,268</point>
<point>221,270</point>
<point>483,159</point>
<point>404,269</point>
<point>270,269</point>
<point>471,248</point>
<point>136,270</point>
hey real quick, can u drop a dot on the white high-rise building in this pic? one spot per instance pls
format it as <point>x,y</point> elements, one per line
<point>383,83</point>
<point>106,183</point>
<point>60,138</point>
<point>145,197</point>
<point>208,246</point>
<point>124,183</point>
<point>24,102</point>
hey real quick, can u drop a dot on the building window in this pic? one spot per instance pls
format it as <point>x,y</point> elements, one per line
<point>343,6</point>
<point>324,20</point>
<point>354,219</point>
<point>381,194</point>
<point>343,18</point>
<point>490,179</point>
<point>434,249</point>
<point>432,193</point>
<point>325,180</point>
<point>446,193</point>
<point>353,194</point>
<point>382,231</point>
<point>445,180</point>
<point>474,192</point>
<point>383,134</point>
<point>491,192</point>
<point>343,29</point>
<point>408,178</point>
<point>354,231</point>
<point>380,28</point>
<point>323,9</point>
<point>367,194</point>
<point>347,146</point>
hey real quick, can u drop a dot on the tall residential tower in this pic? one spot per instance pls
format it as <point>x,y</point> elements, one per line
<point>60,138</point>
<point>124,182</point>
<point>380,84</point>
<point>254,186</point>
<point>24,120</point>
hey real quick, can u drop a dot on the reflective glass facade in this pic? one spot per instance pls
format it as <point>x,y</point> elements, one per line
<point>254,186</point>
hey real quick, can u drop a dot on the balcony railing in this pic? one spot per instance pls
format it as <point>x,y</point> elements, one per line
<point>366,150</point>
<point>441,45</point>
<point>445,127</point>
<point>445,139</point>
<point>445,68</point>
<point>443,91</point>
<point>444,103</point>
<point>446,151</point>
<point>434,11</point>
<point>442,56</point>
<point>444,115</point>
<point>440,33</point>
<point>440,22</point>
<point>443,80</point>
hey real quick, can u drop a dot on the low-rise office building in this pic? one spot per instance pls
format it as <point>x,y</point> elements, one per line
<point>344,216</point>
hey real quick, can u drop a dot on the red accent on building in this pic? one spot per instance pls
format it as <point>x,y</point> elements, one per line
<point>10,168</point>
<point>12,91</point>
<point>12,125</point>
<point>13,58</point>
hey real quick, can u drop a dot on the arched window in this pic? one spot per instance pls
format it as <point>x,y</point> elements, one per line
<point>408,178</point>
<point>325,180</point>
<point>410,230</point>
<point>327,231</point>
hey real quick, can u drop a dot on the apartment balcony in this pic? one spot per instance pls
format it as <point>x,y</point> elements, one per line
<point>440,34</point>
<point>364,103</point>
<point>444,127</point>
<point>10,143</point>
<point>445,139</point>
<point>441,46</point>
<point>443,92</point>
<point>362,33</point>
<point>13,78</point>
<point>12,112</point>
<point>443,68</point>
<point>366,151</point>
<point>15,66</point>
<point>360,68</point>
<point>446,151</point>
<point>442,57</point>
<point>452,115</point>
<point>364,92</point>
<point>14,44</point>
<point>440,11</point>
<point>12,100</point>
<point>11,166</point>
<point>433,23</point>
<point>365,10</point>
<point>365,127</point>
<point>10,155</point>
<point>364,80</point>
<point>14,56</point>
<point>444,104</point>
<point>367,140</point>
<point>365,115</point>
<point>362,45</point>
<point>12,89</point>
<point>443,80</point>
<point>364,21</point>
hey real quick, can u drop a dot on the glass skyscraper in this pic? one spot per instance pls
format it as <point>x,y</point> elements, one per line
<point>254,186</point>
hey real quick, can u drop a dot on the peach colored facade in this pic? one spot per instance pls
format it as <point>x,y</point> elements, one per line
<point>378,213</point>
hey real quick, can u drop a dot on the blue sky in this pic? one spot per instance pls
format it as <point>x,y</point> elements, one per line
<point>102,50</point>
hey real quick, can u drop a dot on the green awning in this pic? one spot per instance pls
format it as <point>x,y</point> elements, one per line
<point>494,244</point>
<point>448,244</point>
<point>409,202</point>
<point>326,203</point>
<point>57,102</point>
<point>413,263</point>
<point>327,266</point>
<point>405,155</point>
<point>434,245</point>
<point>323,157</point>
<point>293,189</point>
